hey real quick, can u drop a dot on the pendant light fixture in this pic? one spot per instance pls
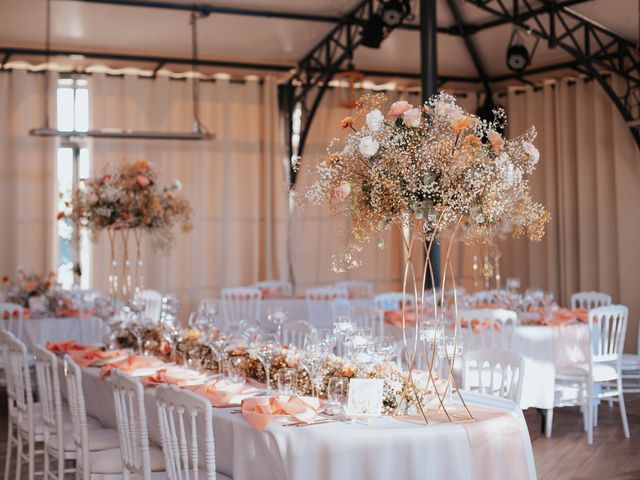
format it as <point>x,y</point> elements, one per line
<point>200,131</point>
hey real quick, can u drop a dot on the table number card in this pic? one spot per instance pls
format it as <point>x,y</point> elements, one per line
<point>365,397</point>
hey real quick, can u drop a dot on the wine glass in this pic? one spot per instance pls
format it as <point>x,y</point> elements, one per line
<point>312,360</point>
<point>337,392</point>
<point>219,342</point>
<point>276,317</point>
<point>288,381</point>
<point>386,348</point>
<point>136,323</point>
<point>266,348</point>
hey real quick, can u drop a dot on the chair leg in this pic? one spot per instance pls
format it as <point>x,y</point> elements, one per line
<point>31,456</point>
<point>596,404</point>
<point>585,424</point>
<point>10,442</point>
<point>623,410</point>
<point>548,422</point>
<point>19,455</point>
<point>590,413</point>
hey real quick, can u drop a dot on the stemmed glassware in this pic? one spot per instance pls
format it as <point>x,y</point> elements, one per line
<point>266,348</point>
<point>386,348</point>
<point>312,360</point>
<point>219,341</point>
<point>136,323</point>
<point>277,316</point>
<point>342,326</point>
<point>337,392</point>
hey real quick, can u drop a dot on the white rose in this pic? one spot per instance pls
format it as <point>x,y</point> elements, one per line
<point>532,151</point>
<point>368,146</point>
<point>374,120</point>
<point>449,111</point>
<point>412,117</point>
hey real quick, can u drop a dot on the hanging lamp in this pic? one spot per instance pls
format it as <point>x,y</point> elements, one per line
<point>200,131</point>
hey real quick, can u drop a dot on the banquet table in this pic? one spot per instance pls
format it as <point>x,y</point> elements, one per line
<point>39,330</point>
<point>387,448</point>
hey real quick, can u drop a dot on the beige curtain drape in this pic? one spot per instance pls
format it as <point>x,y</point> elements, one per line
<point>235,182</point>
<point>27,175</point>
<point>589,178</point>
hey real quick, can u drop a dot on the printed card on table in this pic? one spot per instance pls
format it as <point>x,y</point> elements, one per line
<point>365,397</point>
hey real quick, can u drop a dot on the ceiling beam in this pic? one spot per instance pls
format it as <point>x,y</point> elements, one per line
<point>471,47</point>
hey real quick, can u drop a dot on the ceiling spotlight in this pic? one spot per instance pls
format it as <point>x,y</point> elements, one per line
<point>373,32</point>
<point>518,56</point>
<point>394,11</point>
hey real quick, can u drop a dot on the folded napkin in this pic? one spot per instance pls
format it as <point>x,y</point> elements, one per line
<point>488,306</point>
<point>66,347</point>
<point>175,376</point>
<point>478,325</point>
<point>86,358</point>
<point>394,317</point>
<point>132,363</point>
<point>224,393</point>
<point>562,316</point>
<point>260,411</point>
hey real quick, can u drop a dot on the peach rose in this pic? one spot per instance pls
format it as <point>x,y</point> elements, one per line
<point>30,287</point>
<point>411,118</point>
<point>142,181</point>
<point>398,108</point>
<point>342,191</point>
<point>496,141</point>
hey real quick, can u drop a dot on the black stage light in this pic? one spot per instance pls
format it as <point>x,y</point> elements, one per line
<point>373,32</point>
<point>393,11</point>
<point>517,57</point>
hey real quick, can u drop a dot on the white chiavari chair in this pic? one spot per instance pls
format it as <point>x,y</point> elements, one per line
<point>487,328</point>
<point>180,412</point>
<point>296,332</point>
<point>152,301</point>
<point>366,316</point>
<point>241,303</point>
<point>12,316</point>
<point>30,429</point>
<point>277,287</point>
<point>607,329</point>
<point>393,300</point>
<point>137,456</point>
<point>631,368</point>
<point>494,372</point>
<point>356,288</point>
<point>589,300</point>
<point>320,305</point>
<point>340,307</point>
<point>97,450</point>
<point>12,421</point>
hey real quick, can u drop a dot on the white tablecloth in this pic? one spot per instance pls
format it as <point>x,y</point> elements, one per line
<point>39,330</point>
<point>387,449</point>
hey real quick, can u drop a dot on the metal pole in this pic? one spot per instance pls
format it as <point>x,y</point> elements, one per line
<point>429,81</point>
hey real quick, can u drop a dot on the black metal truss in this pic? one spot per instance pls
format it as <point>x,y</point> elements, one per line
<point>324,60</point>
<point>594,48</point>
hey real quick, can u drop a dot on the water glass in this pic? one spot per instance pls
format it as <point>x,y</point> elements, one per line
<point>288,381</point>
<point>337,393</point>
<point>235,369</point>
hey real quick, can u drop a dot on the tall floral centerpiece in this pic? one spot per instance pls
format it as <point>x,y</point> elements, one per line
<point>435,172</point>
<point>131,198</point>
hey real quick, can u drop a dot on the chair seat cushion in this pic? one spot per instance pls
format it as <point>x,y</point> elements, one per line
<point>601,372</point>
<point>630,361</point>
<point>110,461</point>
<point>99,439</point>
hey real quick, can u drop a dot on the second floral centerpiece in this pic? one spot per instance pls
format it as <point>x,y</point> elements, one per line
<point>435,172</point>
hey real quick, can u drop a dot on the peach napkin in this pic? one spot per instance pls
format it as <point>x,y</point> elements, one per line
<point>563,316</point>
<point>132,363</point>
<point>66,347</point>
<point>261,411</point>
<point>175,376</point>
<point>224,393</point>
<point>488,306</point>
<point>478,325</point>
<point>394,317</point>
<point>86,358</point>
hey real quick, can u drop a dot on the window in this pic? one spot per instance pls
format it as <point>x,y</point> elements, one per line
<point>72,165</point>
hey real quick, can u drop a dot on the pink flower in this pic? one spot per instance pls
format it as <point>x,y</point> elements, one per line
<point>412,117</point>
<point>142,181</point>
<point>496,141</point>
<point>398,108</point>
<point>342,191</point>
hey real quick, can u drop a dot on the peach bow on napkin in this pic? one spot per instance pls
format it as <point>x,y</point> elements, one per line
<point>179,376</point>
<point>132,363</point>
<point>261,411</point>
<point>224,393</point>
<point>86,358</point>
<point>66,347</point>
<point>478,325</point>
<point>562,316</point>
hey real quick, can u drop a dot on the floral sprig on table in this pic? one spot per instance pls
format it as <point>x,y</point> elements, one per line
<point>131,195</point>
<point>191,347</point>
<point>27,285</point>
<point>435,163</point>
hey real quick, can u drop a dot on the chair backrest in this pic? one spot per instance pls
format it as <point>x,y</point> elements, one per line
<point>277,287</point>
<point>18,369</point>
<point>487,296</point>
<point>47,378</point>
<point>393,300</point>
<point>494,372</point>
<point>12,316</point>
<point>152,304</point>
<point>487,328</point>
<point>319,304</point>
<point>589,300</point>
<point>78,412</point>
<point>131,419</point>
<point>5,338</point>
<point>340,306</point>
<point>607,329</point>
<point>179,414</point>
<point>295,332</point>
<point>356,288</point>
<point>366,316</point>
<point>241,303</point>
